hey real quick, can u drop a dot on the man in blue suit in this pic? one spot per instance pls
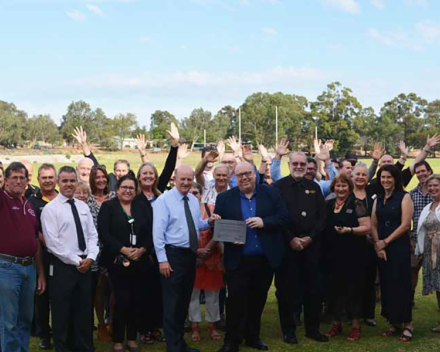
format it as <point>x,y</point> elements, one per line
<point>250,266</point>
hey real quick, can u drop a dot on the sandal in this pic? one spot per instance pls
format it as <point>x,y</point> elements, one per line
<point>354,335</point>
<point>336,329</point>
<point>195,337</point>
<point>392,331</point>
<point>146,338</point>
<point>406,338</point>
<point>213,332</point>
<point>157,335</point>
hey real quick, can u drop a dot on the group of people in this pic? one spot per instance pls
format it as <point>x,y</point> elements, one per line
<point>138,250</point>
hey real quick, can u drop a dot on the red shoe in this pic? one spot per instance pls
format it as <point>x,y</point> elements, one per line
<point>355,334</point>
<point>335,330</point>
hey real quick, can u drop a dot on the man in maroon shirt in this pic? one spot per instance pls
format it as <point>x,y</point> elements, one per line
<point>20,253</point>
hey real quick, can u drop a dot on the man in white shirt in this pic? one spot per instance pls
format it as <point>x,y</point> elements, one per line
<point>72,239</point>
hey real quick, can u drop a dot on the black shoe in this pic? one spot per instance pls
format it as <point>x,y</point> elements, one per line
<point>228,347</point>
<point>190,349</point>
<point>317,336</point>
<point>221,325</point>
<point>45,344</point>
<point>258,345</point>
<point>290,338</point>
<point>297,319</point>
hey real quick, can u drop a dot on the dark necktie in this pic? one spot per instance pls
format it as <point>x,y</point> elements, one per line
<point>79,229</point>
<point>193,241</point>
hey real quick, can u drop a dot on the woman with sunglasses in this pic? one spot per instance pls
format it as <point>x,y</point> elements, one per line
<point>125,230</point>
<point>209,276</point>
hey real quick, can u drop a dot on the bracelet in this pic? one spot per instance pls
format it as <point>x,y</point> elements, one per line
<point>426,151</point>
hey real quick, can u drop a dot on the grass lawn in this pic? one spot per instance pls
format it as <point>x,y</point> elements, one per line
<point>426,313</point>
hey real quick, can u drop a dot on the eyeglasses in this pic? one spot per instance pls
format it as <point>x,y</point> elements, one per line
<point>127,188</point>
<point>294,163</point>
<point>195,193</point>
<point>244,174</point>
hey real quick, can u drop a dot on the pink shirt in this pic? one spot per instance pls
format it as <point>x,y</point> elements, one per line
<point>18,226</point>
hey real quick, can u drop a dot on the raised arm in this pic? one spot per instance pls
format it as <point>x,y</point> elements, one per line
<point>375,155</point>
<point>182,153</point>
<point>81,137</point>
<point>431,142</point>
<point>209,157</point>
<point>141,145</point>
<point>170,163</point>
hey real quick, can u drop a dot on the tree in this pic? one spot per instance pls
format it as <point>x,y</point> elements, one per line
<point>12,125</point>
<point>105,134</point>
<point>194,125</point>
<point>123,125</point>
<point>79,114</point>
<point>258,118</point>
<point>160,124</point>
<point>335,111</point>
<point>42,128</point>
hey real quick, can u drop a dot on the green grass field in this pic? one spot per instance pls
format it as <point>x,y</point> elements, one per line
<point>426,313</point>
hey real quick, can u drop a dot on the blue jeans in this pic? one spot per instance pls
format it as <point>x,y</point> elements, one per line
<point>17,289</point>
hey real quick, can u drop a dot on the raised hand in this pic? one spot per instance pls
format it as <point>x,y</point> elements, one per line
<point>247,153</point>
<point>282,148</point>
<point>80,135</point>
<point>174,134</point>
<point>377,151</point>
<point>330,143</point>
<point>432,142</point>
<point>403,149</point>
<point>324,152</point>
<point>221,147</point>
<point>234,144</point>
<point>211,156</point>
<point>141,144</point>
<point>183,152</point>
<point>263,151</point>
<point>317,145</point>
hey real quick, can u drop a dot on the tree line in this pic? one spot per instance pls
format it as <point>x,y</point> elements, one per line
<point>336,114</point>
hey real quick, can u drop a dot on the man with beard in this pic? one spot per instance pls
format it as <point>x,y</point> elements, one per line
<point>297,279</point>
<point>421,198</point>
<point>46,193</point>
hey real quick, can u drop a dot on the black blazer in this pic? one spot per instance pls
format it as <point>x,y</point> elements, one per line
<point>114,229</point>
<point>273,211</point>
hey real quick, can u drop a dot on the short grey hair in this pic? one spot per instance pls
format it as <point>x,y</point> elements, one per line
<point>296,153</point>
<point>360,164</point>
<point>67,170</point>
<point>219,166</point>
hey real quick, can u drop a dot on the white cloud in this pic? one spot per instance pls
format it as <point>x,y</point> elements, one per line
<point>145,39</point>
<point>378,4</point>
<point>429,30</point>
<point>349,6</point>
<point>76,15</point>
<point>270,31</point>
<point>95,9</point>
<point>395,39</point>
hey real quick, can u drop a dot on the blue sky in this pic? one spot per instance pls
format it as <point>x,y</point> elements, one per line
<point>142,55</point>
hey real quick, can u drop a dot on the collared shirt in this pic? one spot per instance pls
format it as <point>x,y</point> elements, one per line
<point>169,222</point>
<point>249,210</point>
<point>19,226</point>
<point>60,234</point>
<point>420,201</point>
<point>38,201</point>
<point>275,174</point>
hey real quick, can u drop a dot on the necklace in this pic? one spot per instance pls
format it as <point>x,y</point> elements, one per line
<point>339,205</point>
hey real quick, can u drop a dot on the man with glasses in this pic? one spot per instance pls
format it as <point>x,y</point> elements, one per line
<point>72,239</point>
<point>297,279</point>
<point>250,266</point>
<point>20,253</point>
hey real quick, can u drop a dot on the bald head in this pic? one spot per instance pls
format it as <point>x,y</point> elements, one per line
<point>229,159</point>
<point>84,168</point>
<point>245,174</point>
<point>184,178</point>
<point>386,159</point>
<point>29,167</point>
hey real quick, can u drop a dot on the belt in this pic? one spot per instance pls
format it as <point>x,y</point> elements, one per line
<point>26,261</point>
<point>184,249</point>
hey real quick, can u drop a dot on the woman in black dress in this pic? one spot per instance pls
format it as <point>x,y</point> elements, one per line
<point>390,225</point>
<point>347,224</point>
<point>125,231</point>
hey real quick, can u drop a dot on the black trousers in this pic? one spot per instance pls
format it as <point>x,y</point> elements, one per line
<point>42,302</point>
<point>247,294</point>
<point>151,289</point>
<point>128,304</point>
<point>369,302</point>
<point>176,291</point>
<point>71,300</point>
<point>296,281</point>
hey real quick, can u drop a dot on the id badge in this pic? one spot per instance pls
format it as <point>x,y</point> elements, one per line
<point>134,240</point>
<point>50,270</point>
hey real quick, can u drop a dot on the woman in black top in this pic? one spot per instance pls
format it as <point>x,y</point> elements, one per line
<point>125,230</point>
<point>390,225</point>
<point>348,222</point>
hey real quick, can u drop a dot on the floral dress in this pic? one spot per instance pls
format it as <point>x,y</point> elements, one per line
<point>431,256</point>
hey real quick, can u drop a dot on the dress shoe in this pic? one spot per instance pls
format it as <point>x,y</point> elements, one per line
<point>297,319</point>
<point>190,349</point>
<point>317,336</point>
<point>290,338</point>
<point>45,344</point>
<point>258,345</point>
<point>228,347</point>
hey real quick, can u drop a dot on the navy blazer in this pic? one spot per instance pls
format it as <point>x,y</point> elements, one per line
<point>271,208</point>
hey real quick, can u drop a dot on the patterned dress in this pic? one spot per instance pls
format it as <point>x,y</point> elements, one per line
<point>431,257</point>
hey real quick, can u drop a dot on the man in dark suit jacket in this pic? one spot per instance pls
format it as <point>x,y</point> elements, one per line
<point>250,266</point>
<point>297,279</point>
